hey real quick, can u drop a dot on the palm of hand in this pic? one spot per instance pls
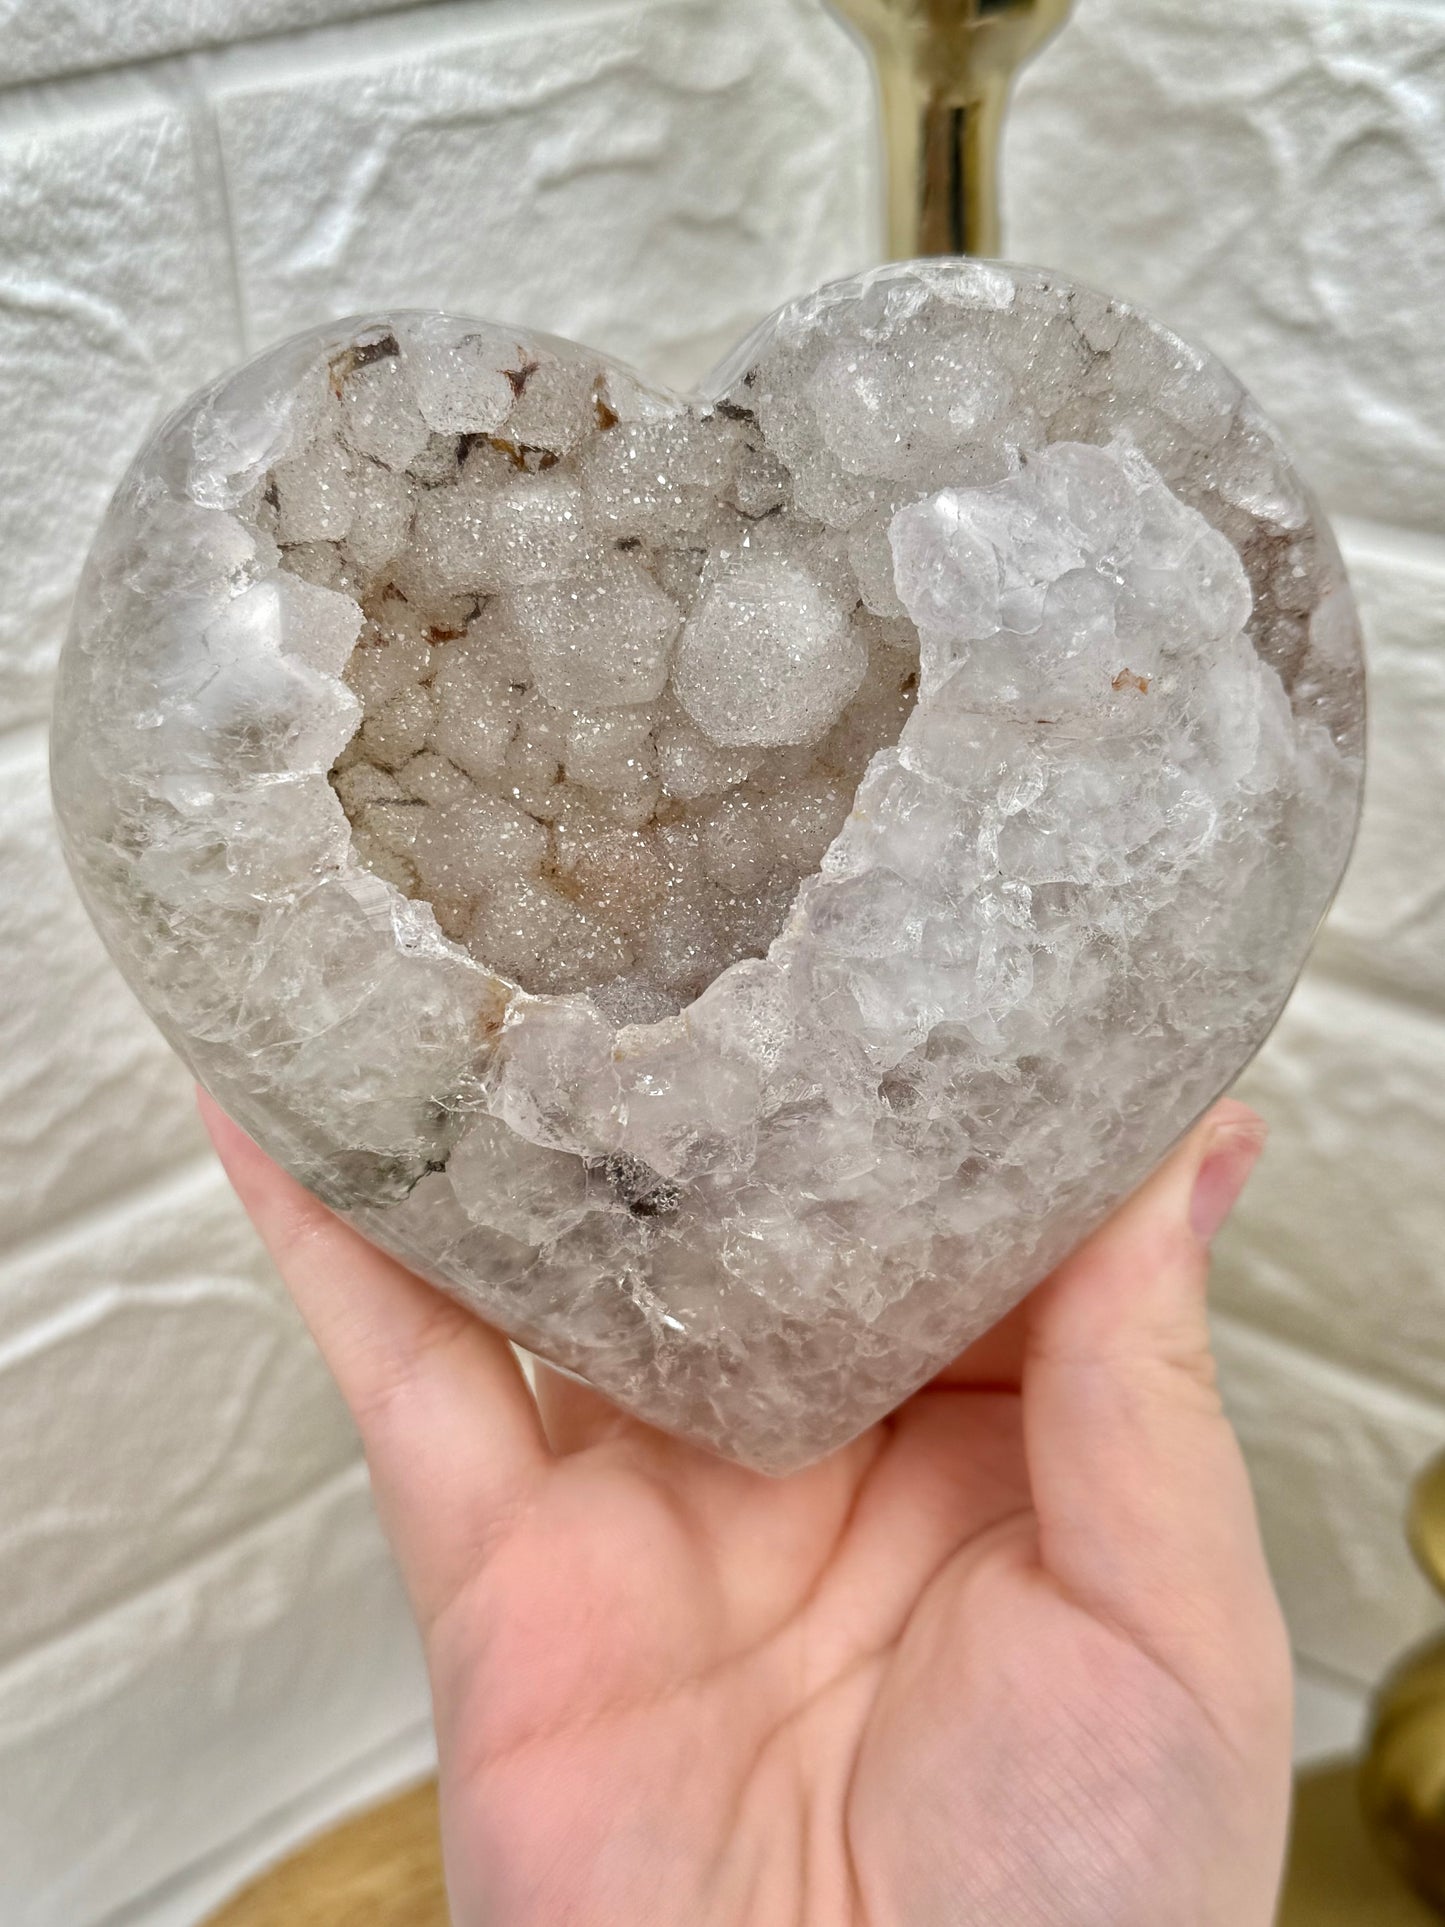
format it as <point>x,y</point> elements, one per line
<point>1011,1658</point>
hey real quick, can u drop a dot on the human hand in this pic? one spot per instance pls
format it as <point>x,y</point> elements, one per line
<point>1011,1659</point>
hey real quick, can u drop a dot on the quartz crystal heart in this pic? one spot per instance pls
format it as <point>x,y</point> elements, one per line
<point>731,889</point>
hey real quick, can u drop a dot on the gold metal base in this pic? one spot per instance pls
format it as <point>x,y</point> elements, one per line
<point>1336,1876</point>
<point>1402,1782</point>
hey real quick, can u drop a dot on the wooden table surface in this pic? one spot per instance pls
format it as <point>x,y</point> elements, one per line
<point>381,1869</point>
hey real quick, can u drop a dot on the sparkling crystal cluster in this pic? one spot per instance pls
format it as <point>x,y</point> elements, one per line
<point>732,889</point>
<point>614,706</point>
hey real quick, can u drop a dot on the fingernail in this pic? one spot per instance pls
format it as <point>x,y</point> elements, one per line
<point>1222,1176</point>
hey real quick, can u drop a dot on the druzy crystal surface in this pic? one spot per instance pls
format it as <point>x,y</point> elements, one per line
<point>733,889</point>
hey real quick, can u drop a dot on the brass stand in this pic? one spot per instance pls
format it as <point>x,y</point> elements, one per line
<point>945,68</point>
<point>1369,1836</point>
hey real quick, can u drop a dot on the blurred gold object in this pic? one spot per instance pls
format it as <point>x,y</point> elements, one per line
<point>1336,1875</point>
<point>945,68</point>
<point>1402,1782</point>
<point>1368,1847</point>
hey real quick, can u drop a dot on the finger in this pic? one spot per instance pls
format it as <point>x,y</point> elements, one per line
<point>1145,1511</point>
<point>450,1428</point>
<point>994,1362</point>
<point>575,1415</point>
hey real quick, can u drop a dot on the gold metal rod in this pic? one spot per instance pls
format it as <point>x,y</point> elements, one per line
<point>945,70</point>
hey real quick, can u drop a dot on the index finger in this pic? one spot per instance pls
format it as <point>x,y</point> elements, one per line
<point>449,1426</point>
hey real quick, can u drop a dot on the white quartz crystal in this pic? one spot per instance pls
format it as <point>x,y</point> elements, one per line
<point>731,889</point>
<point>767,657</point>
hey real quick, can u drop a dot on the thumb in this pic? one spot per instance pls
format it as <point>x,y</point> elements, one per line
<point>1145,1512</point>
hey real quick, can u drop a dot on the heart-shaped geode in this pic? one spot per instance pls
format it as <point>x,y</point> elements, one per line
<point>731,889</point>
